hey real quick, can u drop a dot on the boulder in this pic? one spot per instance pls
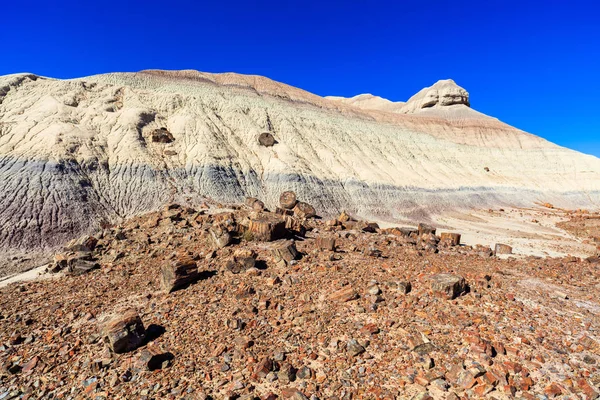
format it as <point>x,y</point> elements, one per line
<point>123,332</point>
<point>242,260</point>
<point>284,251</point>
<point>448,286</point>
<point>153,357</point>
<point>452,239</point>
<point>179,273</point>
<point>219,237</point>
<point>254,203</point>
<point>347,293</point>
<point>294,225</point>
<point>266,139</point>
<point>287,200</point>
<point>325,243</point>
<point>502,249</point>
<point>84,243</point>
<point>162,135</point>
<point>426,229</point>
<point>304,210</point>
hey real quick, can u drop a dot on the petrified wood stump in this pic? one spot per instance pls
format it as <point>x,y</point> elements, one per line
<point>267,228</point>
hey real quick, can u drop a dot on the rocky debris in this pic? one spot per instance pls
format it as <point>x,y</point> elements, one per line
<point>425,229</point>
<point>502,249</point>
<point>162,135</point>
<point>266,139</point>
<point>284,251</point>
<point>448,285</point>
<point>354,348</point>
<point>74,263</point>
<point>123,332</point>
<point>451,239</point>
<point>179,273</point>
<point>288,200</point>
<point>345,217</point>
<point>242,260</point>
<point>294,225</point>
<point>344,294</point>
<point>219,237</point>
<point>325,243</point>
<point>255,203</point>
<point>267,228</point>
<point>325,324</point>
<point>83,244</point>
<point>304,210</point>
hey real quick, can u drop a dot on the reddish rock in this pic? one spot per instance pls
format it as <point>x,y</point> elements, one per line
<point>123,332</point>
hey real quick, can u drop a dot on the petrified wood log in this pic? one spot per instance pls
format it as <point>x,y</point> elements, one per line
<point>267,228</point>
<point>179,273</point>
<point>502,249</point>
<point>287,200</point>
<point>123,332</point>
<point>284,251</point>
<point>452,239</point>
<point>325,243</point>
<point>304,210</point>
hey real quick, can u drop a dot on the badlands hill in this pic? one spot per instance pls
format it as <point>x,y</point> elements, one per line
<point>76,154</point>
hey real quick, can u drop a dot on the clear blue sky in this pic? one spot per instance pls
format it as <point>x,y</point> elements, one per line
<point>533,64</point>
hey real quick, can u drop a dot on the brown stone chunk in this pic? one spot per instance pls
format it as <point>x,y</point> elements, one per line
<point>304,210</point>
<point>267,228</point>
<point>179,273</point>
<point>293,394</point>
<point>266,139</point>
<point>219,237</point>
<point>452,239</point>
<point>502,249</point>
<point>263,368</point>
<point>325,243</point>
<point>347,293</point>
<point>152,358</point>
<point>287,200</point>
<point>448,285</point>
<point>242,260</point>
<point>162,135</point>
<point>284,251</point>
<point>426,229</point>
<point>293,224</point>
<point>123,332</point>
<point>84,243</point>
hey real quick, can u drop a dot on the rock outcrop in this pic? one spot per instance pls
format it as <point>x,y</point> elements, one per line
<point>443,93</point>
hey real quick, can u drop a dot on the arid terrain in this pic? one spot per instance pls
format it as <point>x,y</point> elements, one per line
<point>186,235</point>
<point>236,302</point>
<point>79,154</point>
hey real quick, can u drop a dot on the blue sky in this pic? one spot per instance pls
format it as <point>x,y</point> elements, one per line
<point>534,65</point>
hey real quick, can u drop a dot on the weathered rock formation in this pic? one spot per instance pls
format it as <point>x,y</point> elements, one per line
<point>77,155</point>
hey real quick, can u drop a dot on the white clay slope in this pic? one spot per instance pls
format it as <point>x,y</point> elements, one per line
<point>74,153</point>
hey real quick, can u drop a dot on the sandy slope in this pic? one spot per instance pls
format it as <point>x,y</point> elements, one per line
<point>75,153</point>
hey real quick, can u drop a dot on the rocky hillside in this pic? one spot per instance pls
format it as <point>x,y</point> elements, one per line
<point>78,154</point>
<point>240,303</point>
